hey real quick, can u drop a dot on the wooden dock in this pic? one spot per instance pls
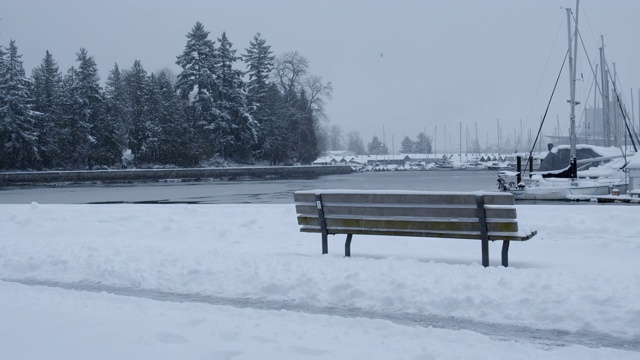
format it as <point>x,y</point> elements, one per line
<point>632,198</point>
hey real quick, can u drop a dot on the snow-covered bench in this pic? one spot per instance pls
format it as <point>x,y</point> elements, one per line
<point>485,216</point>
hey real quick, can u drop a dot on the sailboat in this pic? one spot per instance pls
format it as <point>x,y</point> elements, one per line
<point>559,185</point>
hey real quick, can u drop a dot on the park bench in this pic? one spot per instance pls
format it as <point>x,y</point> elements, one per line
<point>485,216</point>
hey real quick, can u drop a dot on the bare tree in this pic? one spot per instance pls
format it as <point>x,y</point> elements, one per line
<point>335,137</point>
<point>304,99</point>
<point>316,91</point>
<point>355,143</point>
<point>288,71</point>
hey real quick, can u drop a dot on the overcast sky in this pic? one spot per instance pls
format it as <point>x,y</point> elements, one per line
<point>407,66</point>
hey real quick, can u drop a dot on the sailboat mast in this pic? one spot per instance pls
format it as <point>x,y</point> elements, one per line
<point>606,129</point>
<point>572,78</point>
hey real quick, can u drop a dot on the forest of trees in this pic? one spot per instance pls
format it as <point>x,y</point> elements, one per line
<point>209,112</point>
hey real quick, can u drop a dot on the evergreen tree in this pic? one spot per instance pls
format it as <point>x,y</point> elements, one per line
<point>259,63</point>
<point>136,110</point>
<point>67,142</point>
<point>46,81</point>
<point>406,146</point>
<point>148,131</point>
<point>235,126</point>
<point>274,127</point>
<point>110,129</point>
<point>18,135</point>
<point>376,147</point>
<point>116,141</point>
<point>107,149</point>
<point>115,106</point>
<point>422,144</point>
<point>84,117</point>
<point>197,87</point>
<point>175,136</point>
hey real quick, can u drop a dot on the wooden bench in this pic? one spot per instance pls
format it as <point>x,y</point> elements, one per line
<point>487,216</point>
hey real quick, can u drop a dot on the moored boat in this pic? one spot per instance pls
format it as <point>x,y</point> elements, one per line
<point>559,175</point>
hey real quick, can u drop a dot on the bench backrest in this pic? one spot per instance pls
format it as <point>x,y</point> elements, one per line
<point>409,213</point>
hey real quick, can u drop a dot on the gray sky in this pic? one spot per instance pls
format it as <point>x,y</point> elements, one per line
<point>444,62</point>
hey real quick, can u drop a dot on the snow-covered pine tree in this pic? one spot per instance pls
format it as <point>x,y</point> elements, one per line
<point>406,146</point>
<point>67,143</point>
<point>175,136</point>
<point>148,130</point>
<point>46,86</point>
<point>274,127</point>
<point>114,106</point>
<point>109,131</point>
<point>83,117</point>
<point>235,126</point>
<point>259,63</point>
<point>197,87</point>
<point>137,88</point>
<point>422,144</point>
<point>18,135</point>
<point>375,147</point>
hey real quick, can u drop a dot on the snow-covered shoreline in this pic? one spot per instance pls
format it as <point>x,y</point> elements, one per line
<point>579,274</point>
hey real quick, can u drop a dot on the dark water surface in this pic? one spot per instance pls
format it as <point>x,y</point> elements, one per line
<point>248,191</point>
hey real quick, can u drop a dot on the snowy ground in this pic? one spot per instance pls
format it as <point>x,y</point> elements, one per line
<point>240,282</point>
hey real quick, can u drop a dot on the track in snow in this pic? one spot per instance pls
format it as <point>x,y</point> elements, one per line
<point>550,337</point>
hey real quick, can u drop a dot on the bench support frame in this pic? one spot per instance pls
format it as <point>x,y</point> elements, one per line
<point>347,245</point>
<point>484,233</point>
<point>323,224</point>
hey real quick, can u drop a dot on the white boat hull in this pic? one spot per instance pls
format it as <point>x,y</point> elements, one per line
<point>559,190</point>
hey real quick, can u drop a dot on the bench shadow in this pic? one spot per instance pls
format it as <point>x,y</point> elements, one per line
<point>453,261</point>
<point>494,262</point>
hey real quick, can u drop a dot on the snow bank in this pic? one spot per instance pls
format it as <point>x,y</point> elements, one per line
<point>580,273</point>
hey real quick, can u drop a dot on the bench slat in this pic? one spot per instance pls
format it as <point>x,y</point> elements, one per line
<point>511,236</point>
<point>393,210</point>
<point>440,225</point>
<point>417,197</point>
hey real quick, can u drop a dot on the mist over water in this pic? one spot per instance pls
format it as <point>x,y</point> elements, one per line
<point>249,191</point>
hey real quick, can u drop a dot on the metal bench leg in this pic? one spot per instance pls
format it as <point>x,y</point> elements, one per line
<point>347,245</point>
<point>323,224</point>
<point>484,230</point>
<point>505,253</point>
<point>485,253</point>
<point>325,243</point>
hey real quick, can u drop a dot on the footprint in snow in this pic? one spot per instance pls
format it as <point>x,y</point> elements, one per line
<point>170,338</point>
